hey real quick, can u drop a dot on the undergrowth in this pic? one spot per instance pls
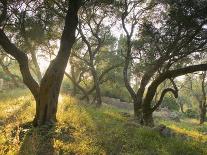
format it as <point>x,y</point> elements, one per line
<point>84,129</point>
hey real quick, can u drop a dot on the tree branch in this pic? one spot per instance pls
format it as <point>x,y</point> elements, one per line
<point>22,59</point>
<point>164,92</point>
<point>168,75</point>
<point>4,11</point>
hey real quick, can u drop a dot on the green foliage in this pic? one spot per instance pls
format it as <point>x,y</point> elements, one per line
<point>66,85</point>
<point>191,113</point>
<point>115,90</point>
<point>3,76</point>
<point>170,103</point>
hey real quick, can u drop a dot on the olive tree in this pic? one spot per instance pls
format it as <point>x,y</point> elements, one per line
<point>159,36</point>
<point>46,93</point>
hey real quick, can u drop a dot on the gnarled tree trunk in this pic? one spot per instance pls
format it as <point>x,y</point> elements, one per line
<point>138,111</point>
<point>46,94</point>
<point>148,119</point>
<point>51,82</point>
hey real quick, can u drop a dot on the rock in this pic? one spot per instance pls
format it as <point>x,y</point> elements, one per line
<point>163,130</point>
<point>166,114</point>
<point>166,132</point>
<point>175,117</point>
<point>165,109</point>
<point>159,128</point>
<point>125,114</point>
<point>117,103</point>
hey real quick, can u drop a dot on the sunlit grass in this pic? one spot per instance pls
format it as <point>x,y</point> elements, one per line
<point>189,127</point>
<point>14,111</point>
<point>84,129</point>
<point>191,133</point>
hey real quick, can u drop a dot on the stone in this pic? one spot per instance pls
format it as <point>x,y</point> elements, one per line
<point>174,116</point>
<point>163,130</point>
<point>125,114</point>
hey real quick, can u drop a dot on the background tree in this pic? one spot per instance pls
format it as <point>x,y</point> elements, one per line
<point>195,103</point>
<point>6,63</point>
<point>97,48</point>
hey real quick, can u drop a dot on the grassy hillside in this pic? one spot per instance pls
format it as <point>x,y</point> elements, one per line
<point>83,129</point>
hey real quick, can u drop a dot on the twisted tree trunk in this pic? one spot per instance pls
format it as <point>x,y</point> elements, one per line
<point>138,114</point>
<point>147,102</point>
<point>46,94</point>
<point>51,82</point>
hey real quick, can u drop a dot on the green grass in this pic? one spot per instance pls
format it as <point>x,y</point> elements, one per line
<point>83,129</point>
<point>188,127</point>
<point>12,94</point>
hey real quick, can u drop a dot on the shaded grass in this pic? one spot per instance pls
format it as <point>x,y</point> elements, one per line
<point>83,129</point>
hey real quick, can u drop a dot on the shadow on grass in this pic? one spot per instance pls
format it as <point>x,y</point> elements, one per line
<point>36,141</point>
<point>110,135</point>
<point>116,136</point>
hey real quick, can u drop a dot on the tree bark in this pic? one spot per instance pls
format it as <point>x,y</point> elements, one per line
<point>181,107</point>
<point>46,94</point>
<point>22,59</point>
<point>51,82</point>
<point>97,87</point>
<point>202,104</point>
<point>202,113</point>
<point>138,112</point>
<point>36,65</point>
<point>148,118</point>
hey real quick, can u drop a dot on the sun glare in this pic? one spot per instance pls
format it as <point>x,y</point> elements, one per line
<point>44,63</point>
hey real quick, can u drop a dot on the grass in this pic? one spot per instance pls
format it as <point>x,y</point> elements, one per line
<point>83,129</point>
<point>188,127</point>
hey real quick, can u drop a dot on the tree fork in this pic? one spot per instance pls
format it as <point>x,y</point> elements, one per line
<point>46,94</point>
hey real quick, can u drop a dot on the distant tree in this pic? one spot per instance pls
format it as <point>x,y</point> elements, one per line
<point>202,100</point>
<point>97,46</point>
<point>196,86</point>
<point>5,65</point>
